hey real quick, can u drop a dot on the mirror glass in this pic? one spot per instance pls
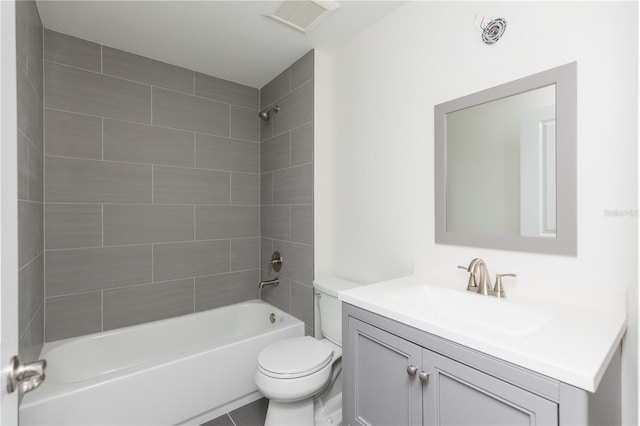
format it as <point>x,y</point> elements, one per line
<point>505,165</point>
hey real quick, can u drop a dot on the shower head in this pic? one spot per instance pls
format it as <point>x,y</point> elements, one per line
<point>265,114</point>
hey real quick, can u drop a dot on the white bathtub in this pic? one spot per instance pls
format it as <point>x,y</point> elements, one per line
<point>184,370</point>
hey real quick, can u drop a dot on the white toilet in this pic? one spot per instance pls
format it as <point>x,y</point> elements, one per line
<point>301,376</point>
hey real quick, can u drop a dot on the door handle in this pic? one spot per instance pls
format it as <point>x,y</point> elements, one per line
<point>25,376</point>
<point>423,376</point>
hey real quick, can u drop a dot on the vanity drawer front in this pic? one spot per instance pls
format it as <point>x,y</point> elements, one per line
<point>460,395</point>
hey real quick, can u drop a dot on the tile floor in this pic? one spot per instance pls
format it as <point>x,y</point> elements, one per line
<point>252,414</point>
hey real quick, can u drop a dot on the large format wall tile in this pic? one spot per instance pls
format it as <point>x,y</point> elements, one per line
<point>225,91</point>
<point>276,88</point>
<point>296,109</point>
<point>30,225</point>
<point>173,185</point>
<point>302,224</point>
<point>275,153</point>
<point>28,109</point>
<point>299,264</point>
<point>220,153</point>
<point>73,135</point>
<point>245,254</point>
<point>179,260</point>
<point>286,189</point>
<point>214,222</point>
<point>245,124</point>
<point>148,302</point>
<point>73,315</point>
<point>214,291</point>
<point>139,224</point>
<point>245,189</point>
<point>23,167</point>
<point>81,270</point>
<point>35,173</point>
<point>88,181</point>
<point>119,63</point>
<point>31,278</point>
<point>30,175</point>
<point>181,111</point>
<point>302,302</point>
<point>275,222</point>
<point>302,70</point>
<point>75,90</point>
<point>72,51</point>
<point>135,148</point>
<point>293,186</point>
<point>266,189</point>
<point>73,225</point>
<point>302,144</point>
<point>141,143</point>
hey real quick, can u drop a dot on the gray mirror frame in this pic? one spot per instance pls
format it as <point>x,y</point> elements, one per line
<point>565,243</point>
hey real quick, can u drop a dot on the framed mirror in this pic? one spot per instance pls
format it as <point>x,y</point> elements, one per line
<point>505,166</point>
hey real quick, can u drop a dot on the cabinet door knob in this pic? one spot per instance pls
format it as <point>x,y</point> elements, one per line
<point>412,370</point>
<point>424,377</point>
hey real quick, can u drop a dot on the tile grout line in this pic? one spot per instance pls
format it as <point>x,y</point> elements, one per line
<point>151,105</point>
<point>102,310</point>
<point>232,421</point>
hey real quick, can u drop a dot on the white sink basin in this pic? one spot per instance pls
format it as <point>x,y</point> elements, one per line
<point>468,309</point>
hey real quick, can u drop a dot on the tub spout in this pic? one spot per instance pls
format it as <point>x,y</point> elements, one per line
<point>274,282</point>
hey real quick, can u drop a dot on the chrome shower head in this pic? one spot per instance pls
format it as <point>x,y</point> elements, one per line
<point>265,114</point>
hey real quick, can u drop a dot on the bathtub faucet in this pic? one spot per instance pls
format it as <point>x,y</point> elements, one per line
<point>274,282</point>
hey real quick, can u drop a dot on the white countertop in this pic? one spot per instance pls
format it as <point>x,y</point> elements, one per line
<point>574,343</point>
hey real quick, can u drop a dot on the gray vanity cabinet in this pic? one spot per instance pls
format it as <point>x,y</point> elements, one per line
<point>463,387</point>
<point>388,390</point>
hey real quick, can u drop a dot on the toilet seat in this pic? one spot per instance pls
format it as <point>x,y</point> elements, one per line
<point>294,358</point>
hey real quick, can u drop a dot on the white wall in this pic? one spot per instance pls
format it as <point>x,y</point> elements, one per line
<point>374,140</point>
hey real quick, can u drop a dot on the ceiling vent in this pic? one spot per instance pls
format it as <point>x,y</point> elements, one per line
<point>303,15</point>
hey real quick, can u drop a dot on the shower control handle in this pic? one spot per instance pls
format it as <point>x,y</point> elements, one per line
<point>276,261</point>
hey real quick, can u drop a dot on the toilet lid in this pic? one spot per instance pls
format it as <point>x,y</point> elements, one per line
<point>296,357</point>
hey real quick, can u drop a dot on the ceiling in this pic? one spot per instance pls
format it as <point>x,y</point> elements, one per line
<point>227,39</point>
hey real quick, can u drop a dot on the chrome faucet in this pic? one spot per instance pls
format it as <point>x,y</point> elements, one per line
<point>480,280</point>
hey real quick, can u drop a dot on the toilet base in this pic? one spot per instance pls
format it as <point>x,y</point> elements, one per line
<point>299,413</point>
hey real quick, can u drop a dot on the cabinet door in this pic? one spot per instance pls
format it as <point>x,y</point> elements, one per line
<point>457,394</point>
<point>378,390</point>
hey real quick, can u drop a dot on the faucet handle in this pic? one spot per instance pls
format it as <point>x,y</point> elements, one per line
<point>498,288</point>
<point>472,285</point>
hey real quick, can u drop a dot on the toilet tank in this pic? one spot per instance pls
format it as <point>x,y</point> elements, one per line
<point>329,307</point>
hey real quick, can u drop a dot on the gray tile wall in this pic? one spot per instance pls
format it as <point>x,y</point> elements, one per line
<point>286,188</point>
<point>152,189</point>
<point>30,180</point>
